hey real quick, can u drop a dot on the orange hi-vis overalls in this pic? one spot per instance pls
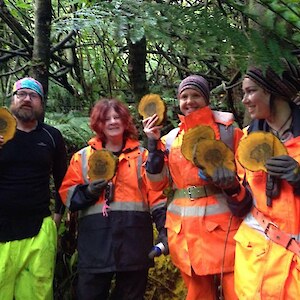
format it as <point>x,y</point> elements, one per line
<point>265,269</point>
<point>199,222</point>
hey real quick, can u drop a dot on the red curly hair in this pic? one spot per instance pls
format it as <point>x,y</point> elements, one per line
<point>100,111</point>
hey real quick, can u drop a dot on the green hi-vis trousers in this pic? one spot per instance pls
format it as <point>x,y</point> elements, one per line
<point>27,266</point>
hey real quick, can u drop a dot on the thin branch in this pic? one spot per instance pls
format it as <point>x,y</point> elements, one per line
<point>15,71</point>
<point>15,26</point>
<point>59,45</point>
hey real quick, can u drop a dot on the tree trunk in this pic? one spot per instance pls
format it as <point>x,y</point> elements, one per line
<point>41,45</point>
<point>137,68</point>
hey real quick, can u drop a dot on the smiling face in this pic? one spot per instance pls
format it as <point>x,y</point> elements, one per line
<point>113,126</point>
<point>256,100</point>
<point>190,100</point>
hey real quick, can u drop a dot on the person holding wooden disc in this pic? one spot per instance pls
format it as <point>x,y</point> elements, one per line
<point>267,264</point>
<point>106,183</point>
<point>199,222</point>
<point>31,153</point>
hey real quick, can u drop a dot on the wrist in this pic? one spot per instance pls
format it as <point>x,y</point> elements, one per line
<point>235,194</point>
<point>233,190</point>
<point>152,144</point>
<point>91,195</point>
<point>296,187</point>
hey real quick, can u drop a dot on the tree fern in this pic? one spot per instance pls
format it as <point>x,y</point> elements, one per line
<point>75,129</point>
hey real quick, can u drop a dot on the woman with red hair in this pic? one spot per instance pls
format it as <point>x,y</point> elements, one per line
<point>115,233</point>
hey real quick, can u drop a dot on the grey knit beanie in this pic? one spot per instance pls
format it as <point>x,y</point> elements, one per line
<point>197,83</point>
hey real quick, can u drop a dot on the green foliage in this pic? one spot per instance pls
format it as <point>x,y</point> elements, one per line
<point>65,275</point>
<point>164,281</point>
<point>274,33</point>
<point>289,10</point>
<point>74,128</point>
<point>182,37</point>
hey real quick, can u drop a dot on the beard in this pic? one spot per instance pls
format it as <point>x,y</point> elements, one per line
<point>27,115</point>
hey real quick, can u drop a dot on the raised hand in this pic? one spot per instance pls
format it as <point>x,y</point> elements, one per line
<point>151,130</point>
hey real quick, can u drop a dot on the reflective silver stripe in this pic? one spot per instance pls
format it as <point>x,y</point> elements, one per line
<point>200,211</point>
<point>114,206</point>
<point>138,171</point>
<point>139,166</point>
<point>170,137</point>
<point>84,164</point>
<point>252,223</point>
<point>158,177</point>
<point>69,195</point>
<point>84,168</point>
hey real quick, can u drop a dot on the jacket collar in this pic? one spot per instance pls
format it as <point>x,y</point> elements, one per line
<point>202,116</point>
<point>130,144</point>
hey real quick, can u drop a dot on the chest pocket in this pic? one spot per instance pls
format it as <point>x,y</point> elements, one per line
<point>130,177</point>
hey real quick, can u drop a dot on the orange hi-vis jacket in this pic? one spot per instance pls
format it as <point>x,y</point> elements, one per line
<point>132,191</point>
<point>265,269</point>
<point>199,222</point>
<point>121,240</point>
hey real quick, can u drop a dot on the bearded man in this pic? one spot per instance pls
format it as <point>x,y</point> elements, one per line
<point>28,233</point>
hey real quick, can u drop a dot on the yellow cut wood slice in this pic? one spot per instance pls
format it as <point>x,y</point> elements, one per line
<point>8,124</point>
<point>211,154</point>
<point>102,165</point>
<point>152,104</point>
<point>192,137</point>
<point>256,148</point>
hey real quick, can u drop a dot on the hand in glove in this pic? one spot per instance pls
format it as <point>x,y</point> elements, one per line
<point>284,167</point>
<point>163,238</point>
<point>95,188</point>
<point>225,179</point>
<point>161,245</point>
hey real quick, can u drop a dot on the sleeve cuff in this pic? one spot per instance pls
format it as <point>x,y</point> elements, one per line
<point>236,195</point>
<point>152,145</point>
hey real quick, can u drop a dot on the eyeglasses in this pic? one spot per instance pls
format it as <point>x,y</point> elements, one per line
<point>23,95</point>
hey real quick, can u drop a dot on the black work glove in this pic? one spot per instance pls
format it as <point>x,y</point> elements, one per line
<point>95,188</point>
<point>161,245</point>
<point>155,160</point>
<point>225,179</point>
<point>152,145</point>
<point>284,167</point>
<point>163,238</point>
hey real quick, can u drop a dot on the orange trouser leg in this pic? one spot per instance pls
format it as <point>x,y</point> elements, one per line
<point>203,287</point>
<point>199,287</point>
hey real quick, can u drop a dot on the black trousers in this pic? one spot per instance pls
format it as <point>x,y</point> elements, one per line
<point>128,285</point>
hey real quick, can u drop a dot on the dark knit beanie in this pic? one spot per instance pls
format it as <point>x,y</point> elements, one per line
<point>197,83</point>
<point>287,85</point>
